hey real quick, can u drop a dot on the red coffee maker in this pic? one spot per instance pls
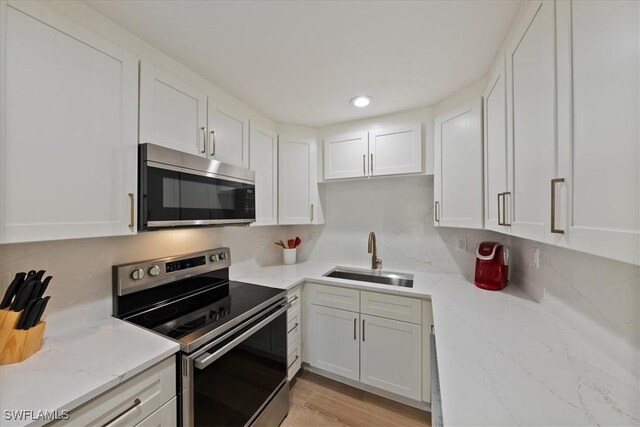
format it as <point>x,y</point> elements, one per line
<point>492,266</point>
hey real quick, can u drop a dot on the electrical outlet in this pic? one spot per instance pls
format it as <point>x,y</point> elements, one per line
<point>461,244</point>
<point>536,258</point>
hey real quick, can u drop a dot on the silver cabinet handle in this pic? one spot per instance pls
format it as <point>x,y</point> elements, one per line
<point>355,323</point>
<point>364,160</point>
<point>295,297</point>
<point>504,208</point>
<point>362,330</point>
<point>124,413</point>
<point>371,166</point>
<point>212,141</point>
<point>436,209</point>
<point>208,358</point>
<point>554,229</point>
<point>294,362</point>
<point>204,140</point>
<point>311,220</point>
<point>131,209</point>
<point>500,222</point>
<point>292,329</point>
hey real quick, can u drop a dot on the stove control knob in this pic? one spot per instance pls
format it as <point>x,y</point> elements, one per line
<point>154,270</point>
<point>214,258</point>
<point>223,256</point>
<point>137,274</point>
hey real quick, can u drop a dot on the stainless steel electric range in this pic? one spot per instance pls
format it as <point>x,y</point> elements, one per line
<point>232,366</point>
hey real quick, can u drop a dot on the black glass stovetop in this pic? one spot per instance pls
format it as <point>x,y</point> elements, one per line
<point>188,318</point>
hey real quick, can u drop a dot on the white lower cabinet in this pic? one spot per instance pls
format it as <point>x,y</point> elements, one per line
<point>294,332</point>
<point>379,343</point>
<point>163,417</point>
<point>333,341</point>
<point>391,355</point>
<point>141,400</point>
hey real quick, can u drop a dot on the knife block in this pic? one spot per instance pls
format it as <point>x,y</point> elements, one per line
<point>17,345</point>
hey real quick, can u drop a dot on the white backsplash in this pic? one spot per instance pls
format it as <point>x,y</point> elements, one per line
<point>398,210</point>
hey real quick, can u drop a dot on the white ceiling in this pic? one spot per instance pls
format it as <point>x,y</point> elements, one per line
<point>300,62</point>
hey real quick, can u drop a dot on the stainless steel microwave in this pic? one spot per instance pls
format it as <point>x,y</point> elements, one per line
<point>177,189</point>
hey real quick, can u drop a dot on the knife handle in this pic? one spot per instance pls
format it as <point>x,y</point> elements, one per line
<point>22,321</point>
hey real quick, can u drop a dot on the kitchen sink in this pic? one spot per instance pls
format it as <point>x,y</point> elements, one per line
<point>373,276</point>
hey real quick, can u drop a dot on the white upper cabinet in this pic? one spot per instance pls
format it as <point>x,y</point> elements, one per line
<point>297,181</point>
<point>228,134</point>
<point>396,150</point>
<point>346,156</point>
<point>458,167</point>
<point>496,196</point>
<point>531,97</point>
<point>263,159</point>
<point>68,129</point>
<point>172,113</point>
<point>599,127</point>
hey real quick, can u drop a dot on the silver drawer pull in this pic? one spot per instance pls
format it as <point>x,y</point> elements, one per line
<point>126,412</point>
<point>292,329</point>
<point>208,358</point>
<point>294,362</point>
<point>295,297</point>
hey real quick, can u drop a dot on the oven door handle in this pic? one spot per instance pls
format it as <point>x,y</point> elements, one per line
<point>208,358</point>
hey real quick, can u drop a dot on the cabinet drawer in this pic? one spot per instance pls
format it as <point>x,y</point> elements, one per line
<point>167,416</point>
<point>294,359</point>
<point>130,402</point>
<point>391,307</point>
<point>293,325</point>
<point>294,296</point>
<point>334,297</point>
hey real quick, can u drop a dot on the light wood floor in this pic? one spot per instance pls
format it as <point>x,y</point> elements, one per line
<point>315,401</point>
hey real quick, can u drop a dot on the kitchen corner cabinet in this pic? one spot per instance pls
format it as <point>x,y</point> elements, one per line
<point>598,202</point>
<point>458,164</point>
<point>372,338</point>
<point>228,134</point>
<point>531,98</point>
<point>297,181</point>
<point>263,159</point>
<point>172,113</point>
<point>68,129</point>
<point>495,150</point>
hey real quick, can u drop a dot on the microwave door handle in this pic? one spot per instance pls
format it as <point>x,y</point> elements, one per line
<point>208,358</point>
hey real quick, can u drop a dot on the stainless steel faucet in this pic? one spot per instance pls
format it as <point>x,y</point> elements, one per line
<point>376,263</point>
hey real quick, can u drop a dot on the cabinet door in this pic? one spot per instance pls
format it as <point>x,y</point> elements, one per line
<point>263,159</point>
<point>68,126</point>
<point>166,416</point>
<point>297,190</point>
<point>531,106</point>
<point>458,167</point>
<point>599,127</point>
<point>333,340</point>
<point>172,113</point>
<point>391,356</point>
<point>228,137</point>
<point>495,151</point>
<point>345,156</point>
<point>395,150</point>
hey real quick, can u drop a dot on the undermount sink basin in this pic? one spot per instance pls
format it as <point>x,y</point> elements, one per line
<point>373,276</point>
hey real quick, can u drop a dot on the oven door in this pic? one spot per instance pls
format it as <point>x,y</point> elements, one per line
<point>173,196</point>
<point>240,377</point>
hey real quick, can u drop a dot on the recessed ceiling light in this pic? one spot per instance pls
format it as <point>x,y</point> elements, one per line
<point>360,101</point>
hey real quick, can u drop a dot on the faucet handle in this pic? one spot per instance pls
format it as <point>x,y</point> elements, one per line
<point>377,263</point>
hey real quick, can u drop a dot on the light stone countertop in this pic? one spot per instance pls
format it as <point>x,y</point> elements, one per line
<point>503,360</point>
<point>77,364</point>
